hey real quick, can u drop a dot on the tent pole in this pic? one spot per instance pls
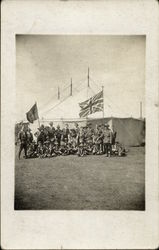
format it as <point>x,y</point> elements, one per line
<point>140,110</point>
<point>88,77</point>
<point>71,88</point>
<point>58,93</point>
<point>39,122</point>
<point>88,83</point>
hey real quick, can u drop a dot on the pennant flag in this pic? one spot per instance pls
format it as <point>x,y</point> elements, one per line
<point>92,105</point>
<point>32,114</point>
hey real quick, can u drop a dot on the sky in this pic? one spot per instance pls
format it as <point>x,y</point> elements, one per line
<point>44,62</point>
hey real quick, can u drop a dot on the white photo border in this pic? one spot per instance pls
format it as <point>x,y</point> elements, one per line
<point>79,229</point>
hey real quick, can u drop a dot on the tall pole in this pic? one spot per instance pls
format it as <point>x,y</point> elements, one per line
<point>87,91</point>
<point>38,115</point>
<point>39,122</point>
<point>88,83</point>
<point>140,110</point>
<point>58,93</point>
<point>103,101</point>
<point>88,78</point>
<point>71,88</point>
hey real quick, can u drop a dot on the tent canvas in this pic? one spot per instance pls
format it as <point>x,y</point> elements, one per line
<point>130,131</point>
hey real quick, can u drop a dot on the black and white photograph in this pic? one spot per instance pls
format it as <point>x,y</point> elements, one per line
<point>80,122</point>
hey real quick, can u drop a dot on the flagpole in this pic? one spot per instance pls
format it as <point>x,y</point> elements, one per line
<point>88,86</point>
<point>103,102</point>
<point>88,78</point>
<point>38,115</point>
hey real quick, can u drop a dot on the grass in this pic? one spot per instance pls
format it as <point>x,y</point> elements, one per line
<point>76,183</point>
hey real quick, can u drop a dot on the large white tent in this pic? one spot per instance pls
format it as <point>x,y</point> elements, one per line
<point>65,109</point>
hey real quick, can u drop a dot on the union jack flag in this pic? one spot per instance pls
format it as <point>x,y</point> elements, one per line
<point>92,105</point>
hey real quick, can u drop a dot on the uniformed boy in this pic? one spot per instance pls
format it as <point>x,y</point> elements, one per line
<point>23,138</point>
<point>81,142</point>
<point>95,144</point>
<point>107,140</point>
<point>99,139</point>
<point>58,134</point>
<point>51,131</point>
<point>29,136</point>
<point>41,136</point>
<point>32,150</point>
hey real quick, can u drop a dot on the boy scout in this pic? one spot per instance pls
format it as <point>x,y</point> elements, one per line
<point>107,140</point>
<point>22,136</point>
<point>58,134</point>
<point>51,131</point>
<point>99,140</point>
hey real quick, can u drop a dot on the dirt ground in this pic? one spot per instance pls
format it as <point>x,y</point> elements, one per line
<point>81,183</point>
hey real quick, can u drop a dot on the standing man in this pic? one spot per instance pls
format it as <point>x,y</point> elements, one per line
<point>114,134</point>
<point>67,129</point>
<point>77,132</point>
<point>58,134</point>
<point>107,140</point>
<point>29,136</point>
<point>89,137</point>
<point>77,129</point>
<point>51,131</point>
<point>64,135</point>
<point>42,136</point>
<point>23,138</point>
<point>99,139</point>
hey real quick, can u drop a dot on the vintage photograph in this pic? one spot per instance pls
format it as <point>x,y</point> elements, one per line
<point>80,122</point>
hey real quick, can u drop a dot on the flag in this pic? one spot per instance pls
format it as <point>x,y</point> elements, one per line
<point>32,114</point>
<point>92,105</point>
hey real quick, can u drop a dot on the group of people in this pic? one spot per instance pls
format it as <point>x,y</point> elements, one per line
<point>49,141</point>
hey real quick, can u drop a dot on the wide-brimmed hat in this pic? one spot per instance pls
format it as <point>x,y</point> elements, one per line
<point>47,128</point>
<point>41,127</point>
<point>89,124</point>
<point>106,125</point>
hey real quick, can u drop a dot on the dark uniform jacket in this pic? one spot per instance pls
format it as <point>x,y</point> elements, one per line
<point>107,136</point>
<point>41,137</point>
<point>51,132</point>
<point>23,137</point>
